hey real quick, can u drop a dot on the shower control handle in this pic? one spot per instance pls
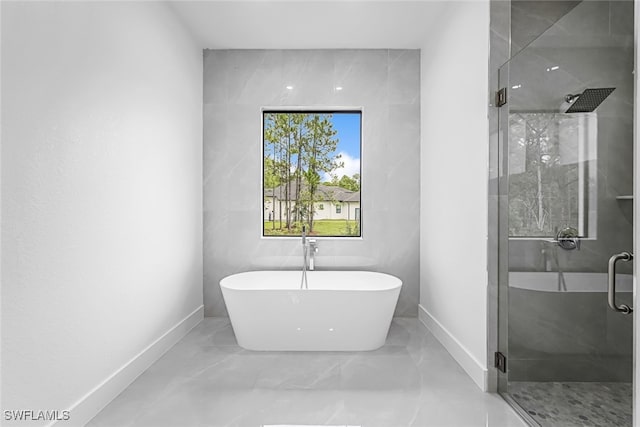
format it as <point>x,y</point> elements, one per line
<point>568,239</point>
<point>623,308</point>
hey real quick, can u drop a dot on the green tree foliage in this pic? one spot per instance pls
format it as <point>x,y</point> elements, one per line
<point>283,138</point>
<point>299,147</point>
<point>271,175</point>
<point>319,157</point>
<point>276,138</point>
<point>350,183</point>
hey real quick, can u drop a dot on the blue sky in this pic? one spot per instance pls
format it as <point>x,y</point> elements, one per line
<point>348,127</point>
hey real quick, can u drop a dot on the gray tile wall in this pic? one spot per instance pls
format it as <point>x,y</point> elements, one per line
<point>606,61</point>
<point>530,18</point>
<point>385,84</point>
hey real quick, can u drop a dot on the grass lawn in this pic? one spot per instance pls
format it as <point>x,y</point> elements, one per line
<point>321,227</point>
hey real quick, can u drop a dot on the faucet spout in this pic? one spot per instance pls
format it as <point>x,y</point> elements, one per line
<point>304,284</point>
<point>313,249</point>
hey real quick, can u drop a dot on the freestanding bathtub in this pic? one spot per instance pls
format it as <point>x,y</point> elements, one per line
<point>341,310</point>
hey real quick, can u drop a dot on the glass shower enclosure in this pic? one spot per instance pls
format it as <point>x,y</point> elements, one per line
<point>565,213</point>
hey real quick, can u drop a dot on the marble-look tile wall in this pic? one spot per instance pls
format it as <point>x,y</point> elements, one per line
<point>606,61</point>
<point>385,84</point>
<point>530,18</point>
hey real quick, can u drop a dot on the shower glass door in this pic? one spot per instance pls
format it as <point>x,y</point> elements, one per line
<point>566,183</point>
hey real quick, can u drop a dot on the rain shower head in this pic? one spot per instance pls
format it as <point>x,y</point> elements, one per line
<point>588,100</point>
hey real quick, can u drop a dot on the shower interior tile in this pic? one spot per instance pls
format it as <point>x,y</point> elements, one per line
<point>568,404</point>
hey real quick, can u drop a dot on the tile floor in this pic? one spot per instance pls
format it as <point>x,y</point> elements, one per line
<point>575,404</point>
<point>208,380</point>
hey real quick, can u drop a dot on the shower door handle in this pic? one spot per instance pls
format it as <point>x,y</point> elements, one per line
<point>623,308</point>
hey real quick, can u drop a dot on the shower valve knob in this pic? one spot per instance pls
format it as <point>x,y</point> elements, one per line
<point>568,238</point>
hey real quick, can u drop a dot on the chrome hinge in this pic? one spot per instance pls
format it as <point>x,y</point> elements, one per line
<point>501,97</point>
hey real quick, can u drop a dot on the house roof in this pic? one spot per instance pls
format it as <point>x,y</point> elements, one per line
<point>325,192</point>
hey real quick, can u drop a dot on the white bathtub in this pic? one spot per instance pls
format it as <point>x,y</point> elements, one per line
<point>341,310</point>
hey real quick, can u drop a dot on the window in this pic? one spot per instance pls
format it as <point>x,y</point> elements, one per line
<point>311,158</point>
<point>552,174</point>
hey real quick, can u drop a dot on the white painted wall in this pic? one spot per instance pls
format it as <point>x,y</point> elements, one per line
<point>454,171</point>
<point>101,195</point>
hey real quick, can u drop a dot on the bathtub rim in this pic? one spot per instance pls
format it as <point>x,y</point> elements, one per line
<point>527,276</point>
<point>394,280</point>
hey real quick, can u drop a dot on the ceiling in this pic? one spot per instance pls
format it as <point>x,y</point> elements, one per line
<point>312,24</point>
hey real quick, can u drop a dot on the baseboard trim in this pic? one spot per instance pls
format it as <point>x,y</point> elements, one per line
<point>458,351</point>
<point>95,400</point>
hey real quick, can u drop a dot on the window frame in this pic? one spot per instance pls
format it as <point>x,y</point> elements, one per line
<point>360,110</point>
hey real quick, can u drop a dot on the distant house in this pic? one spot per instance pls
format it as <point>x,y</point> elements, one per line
<point>332,203</point>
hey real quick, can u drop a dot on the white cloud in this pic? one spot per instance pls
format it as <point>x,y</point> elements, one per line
<point>351,167</point>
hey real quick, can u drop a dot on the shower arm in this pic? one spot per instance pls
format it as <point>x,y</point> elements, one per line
<point>570,98</point>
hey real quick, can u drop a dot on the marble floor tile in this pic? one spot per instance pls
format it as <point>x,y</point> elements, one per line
<point>208,380</point>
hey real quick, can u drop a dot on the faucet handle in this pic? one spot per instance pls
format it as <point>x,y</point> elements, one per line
<point>313,243</point>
